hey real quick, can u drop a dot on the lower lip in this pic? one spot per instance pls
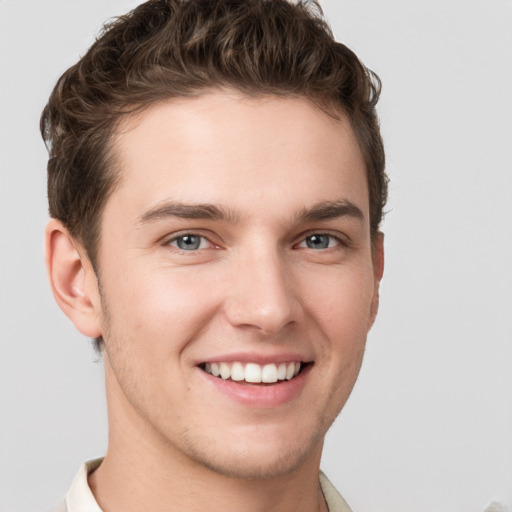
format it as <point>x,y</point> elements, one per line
<point>258,395</point>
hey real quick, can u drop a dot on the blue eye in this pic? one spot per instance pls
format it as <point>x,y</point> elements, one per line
<point>319,241</point>
<point>189,242</point>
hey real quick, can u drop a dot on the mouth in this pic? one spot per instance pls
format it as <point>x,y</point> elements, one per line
<point>254,373</point>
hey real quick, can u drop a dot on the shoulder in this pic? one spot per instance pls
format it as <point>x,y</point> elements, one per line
<point>79,497</point>
<point>334,499</point>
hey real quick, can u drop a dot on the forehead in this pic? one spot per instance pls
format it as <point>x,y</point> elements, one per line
<point>225,148</point>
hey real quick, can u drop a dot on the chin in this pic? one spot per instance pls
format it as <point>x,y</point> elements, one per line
<point>249,468</point>
<point>257,460</point>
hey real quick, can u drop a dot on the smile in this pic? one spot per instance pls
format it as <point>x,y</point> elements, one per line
<point>252,372</point>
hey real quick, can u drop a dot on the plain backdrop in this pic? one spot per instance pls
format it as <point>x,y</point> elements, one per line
<point>429,425</point>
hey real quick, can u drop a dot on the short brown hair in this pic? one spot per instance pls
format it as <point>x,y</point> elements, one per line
<point>177,48</point>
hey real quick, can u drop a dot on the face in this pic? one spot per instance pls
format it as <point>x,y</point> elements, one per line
<point>238,281</point>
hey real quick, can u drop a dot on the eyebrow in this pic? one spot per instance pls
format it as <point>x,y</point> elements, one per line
<point>189,211</point>
<point>324,210</point>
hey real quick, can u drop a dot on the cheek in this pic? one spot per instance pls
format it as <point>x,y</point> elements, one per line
<point>159,307</point>
<point>341,309</point>
<point>341,303</point>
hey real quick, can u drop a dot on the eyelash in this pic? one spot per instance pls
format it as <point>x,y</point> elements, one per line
<point>182,236</point>
<point>339,242</point>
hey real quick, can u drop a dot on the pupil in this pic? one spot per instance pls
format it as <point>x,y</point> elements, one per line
<point>188,242</point>
<point>318,242</point>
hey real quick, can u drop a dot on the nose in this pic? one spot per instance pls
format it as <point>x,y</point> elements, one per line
<point>263,297</point>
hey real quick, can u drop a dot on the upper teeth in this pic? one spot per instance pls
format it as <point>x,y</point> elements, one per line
<point>252,372</point>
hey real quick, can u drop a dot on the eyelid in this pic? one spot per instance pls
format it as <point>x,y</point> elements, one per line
<point>166,240</point>
<point>338,242</point>
<point>201,240</point>
<point>343,239</point>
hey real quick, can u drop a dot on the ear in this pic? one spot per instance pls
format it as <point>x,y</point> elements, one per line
<point>378,271</point>
<point>72,279</point>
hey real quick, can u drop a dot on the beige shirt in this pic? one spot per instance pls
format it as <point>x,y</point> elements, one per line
<point>80,497</point>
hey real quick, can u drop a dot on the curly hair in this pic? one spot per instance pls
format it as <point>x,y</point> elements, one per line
<point>165,49</point>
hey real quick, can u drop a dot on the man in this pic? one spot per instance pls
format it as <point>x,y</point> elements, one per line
<point>216,184</point>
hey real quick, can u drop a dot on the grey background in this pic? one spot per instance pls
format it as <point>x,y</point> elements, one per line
<point>429,425</point>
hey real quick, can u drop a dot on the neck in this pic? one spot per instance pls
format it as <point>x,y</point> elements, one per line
<point>143,471</point>
<point>152,489</point>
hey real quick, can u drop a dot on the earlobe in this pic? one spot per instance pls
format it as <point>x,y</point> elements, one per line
<point>72,279</point>
<point>378,271</point>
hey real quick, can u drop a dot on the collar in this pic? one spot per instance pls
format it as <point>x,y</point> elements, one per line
<point>81,499</point>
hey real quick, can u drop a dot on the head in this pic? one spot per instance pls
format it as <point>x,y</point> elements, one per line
<point>168,49</point>
<point>217,175</point>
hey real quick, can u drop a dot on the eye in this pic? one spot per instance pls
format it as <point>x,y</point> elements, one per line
<point>190,242</point>
<point>320,241</point>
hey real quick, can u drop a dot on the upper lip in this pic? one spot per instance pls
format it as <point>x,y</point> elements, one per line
<point>258,358</point>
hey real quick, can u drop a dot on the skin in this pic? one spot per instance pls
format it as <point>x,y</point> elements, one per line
<point>256,284</point>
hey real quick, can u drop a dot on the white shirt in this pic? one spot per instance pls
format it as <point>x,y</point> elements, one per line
<point>80,497</point>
